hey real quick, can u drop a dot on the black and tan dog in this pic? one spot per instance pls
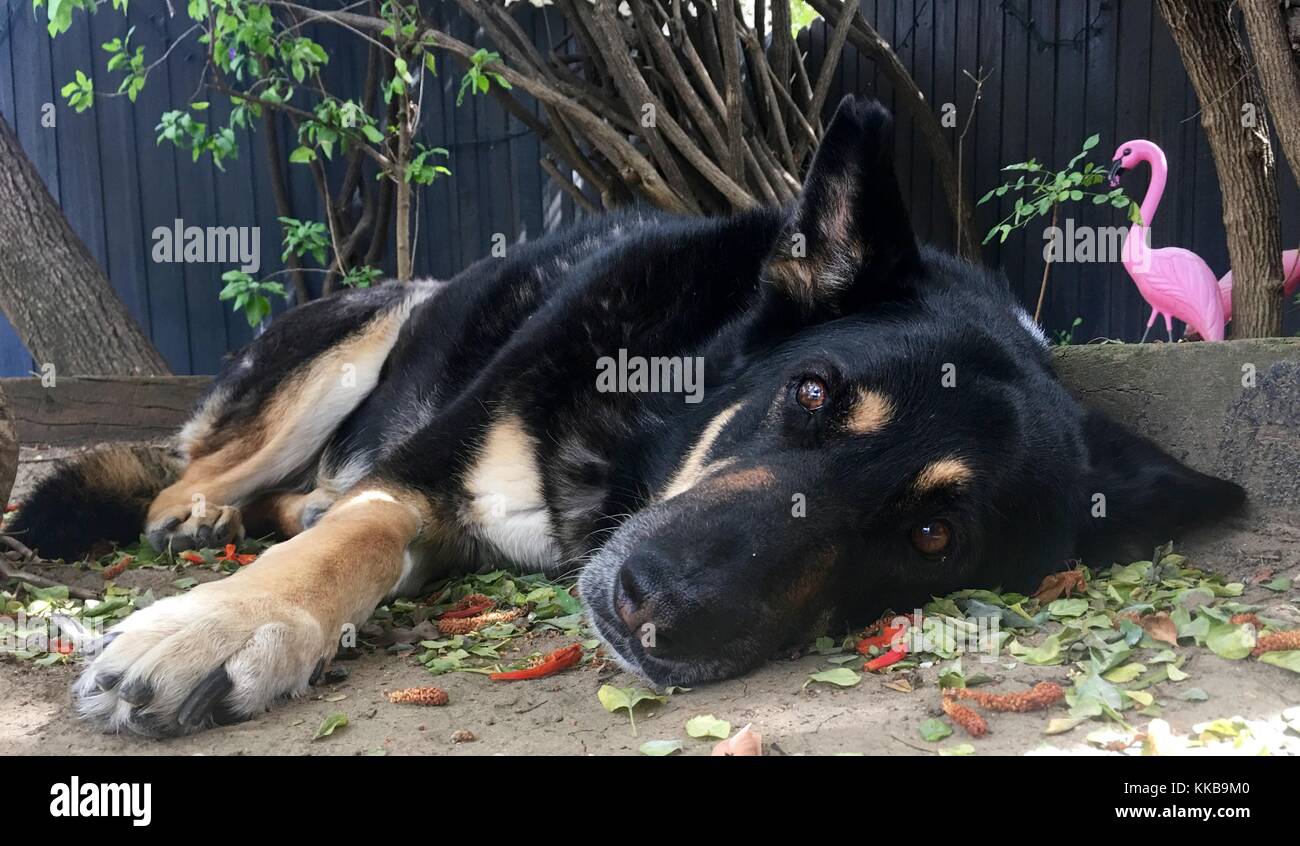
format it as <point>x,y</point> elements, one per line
<point>876,424</point>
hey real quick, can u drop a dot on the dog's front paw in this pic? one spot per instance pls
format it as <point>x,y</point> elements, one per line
<point>212,656</point>
<point>194,526</point>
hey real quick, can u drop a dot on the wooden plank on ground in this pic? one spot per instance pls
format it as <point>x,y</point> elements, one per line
<point>87,410</point>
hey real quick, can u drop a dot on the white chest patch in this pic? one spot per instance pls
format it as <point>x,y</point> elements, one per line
<point>506,508</point>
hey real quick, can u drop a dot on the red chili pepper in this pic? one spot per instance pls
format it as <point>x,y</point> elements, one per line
<point>893,656</point>
<point>192,557</point>
<point>62,647</point>
<point>240,559</point>
<point>11,507</point>
<point>463,613</point>
<point>560,659</point>
<point>882,640</point>
<point>469,606</point>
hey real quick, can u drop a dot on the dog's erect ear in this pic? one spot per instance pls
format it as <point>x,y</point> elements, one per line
<point>1141,497</point>
<point>849,241</point>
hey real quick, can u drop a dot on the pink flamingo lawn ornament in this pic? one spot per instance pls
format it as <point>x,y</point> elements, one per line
<point>1177,282</point>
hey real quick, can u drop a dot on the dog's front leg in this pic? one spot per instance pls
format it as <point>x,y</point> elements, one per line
<point>228,649</point>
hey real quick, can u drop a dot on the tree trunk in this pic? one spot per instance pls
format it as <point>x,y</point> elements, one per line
<point>51,289</point>
<point>8,450</point>
<point>1278,73</point>
<point>1243,157</point>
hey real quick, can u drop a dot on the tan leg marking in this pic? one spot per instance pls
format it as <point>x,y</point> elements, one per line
<point>238,644</point>
<point>286,513</point>
<point>287,433</point>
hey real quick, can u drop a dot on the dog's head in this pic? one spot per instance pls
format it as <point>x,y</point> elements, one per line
<point>890,430</point>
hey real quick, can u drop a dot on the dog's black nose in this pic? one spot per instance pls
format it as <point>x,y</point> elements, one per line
<point>630,597</point>
<point>668,622</point>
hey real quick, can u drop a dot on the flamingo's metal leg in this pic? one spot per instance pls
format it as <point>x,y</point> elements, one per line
<point>1151,322</point>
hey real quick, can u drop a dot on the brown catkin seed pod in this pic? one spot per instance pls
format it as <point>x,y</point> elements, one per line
<point>419,696</point>
<point>451,628</point>
<point>1241,619</point>
<point>965,717</point>
<point>1277,642</point>
<point>1043,695</point>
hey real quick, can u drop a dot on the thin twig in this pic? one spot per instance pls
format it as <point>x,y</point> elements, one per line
<point>34,579</point>
<point>979,81</point>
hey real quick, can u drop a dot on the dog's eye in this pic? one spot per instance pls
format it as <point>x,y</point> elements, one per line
<point>812,394</point>
<point>932,538</point>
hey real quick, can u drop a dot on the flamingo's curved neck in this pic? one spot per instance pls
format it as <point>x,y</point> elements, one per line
<point>1145,151</point>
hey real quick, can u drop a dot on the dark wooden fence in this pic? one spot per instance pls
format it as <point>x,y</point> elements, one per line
<point>1059,70</point>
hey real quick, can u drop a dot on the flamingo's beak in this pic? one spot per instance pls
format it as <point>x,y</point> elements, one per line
<point>1115,172</point>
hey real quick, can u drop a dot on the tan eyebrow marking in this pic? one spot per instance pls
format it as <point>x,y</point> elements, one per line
<point>944,473</point>
<point>754,478</point>
<point>693,467</point>
<point>870,413</point>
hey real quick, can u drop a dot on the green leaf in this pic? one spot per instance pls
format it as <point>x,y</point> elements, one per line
<point>1126,673</point>
<point>933,730</point>
<point>1060,725</point>
<point>841,676</point>
<point>302,155</point>
<point>614,698</point>
<point>1230,641</point>
<point>1287,660</point>
<point>1048,652</point>
<point>1068,608</point>
<point>1141,697</point>
<point>660,748</point>
<point>1193,694</point>
<point>334,721</point>
<point>826,646</point>
<point>708,726</point>
<point>961,750</point>
<point>1278,585</point>
<point>1092,696</point>
<point>1091,141</point>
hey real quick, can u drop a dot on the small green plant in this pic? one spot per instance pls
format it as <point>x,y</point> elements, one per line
<point>361,277</point>
<point>262,58</point>
<point>304,237</point>
<point>477,80</point>
<point>250,295</point>
<point>1039,192</point>
<point>1065,337</point>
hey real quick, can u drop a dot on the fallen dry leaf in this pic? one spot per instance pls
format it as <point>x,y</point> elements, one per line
<point>1060,584</point>
<point>1160,627</point>
<point>744,742</point>
<point>1262,575</point>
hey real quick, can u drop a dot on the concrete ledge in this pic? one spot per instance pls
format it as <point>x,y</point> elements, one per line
<point>1231,409</point>
<point>1197,400</point>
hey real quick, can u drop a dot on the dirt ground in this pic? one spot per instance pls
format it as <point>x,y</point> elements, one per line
<point>562,716</point>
